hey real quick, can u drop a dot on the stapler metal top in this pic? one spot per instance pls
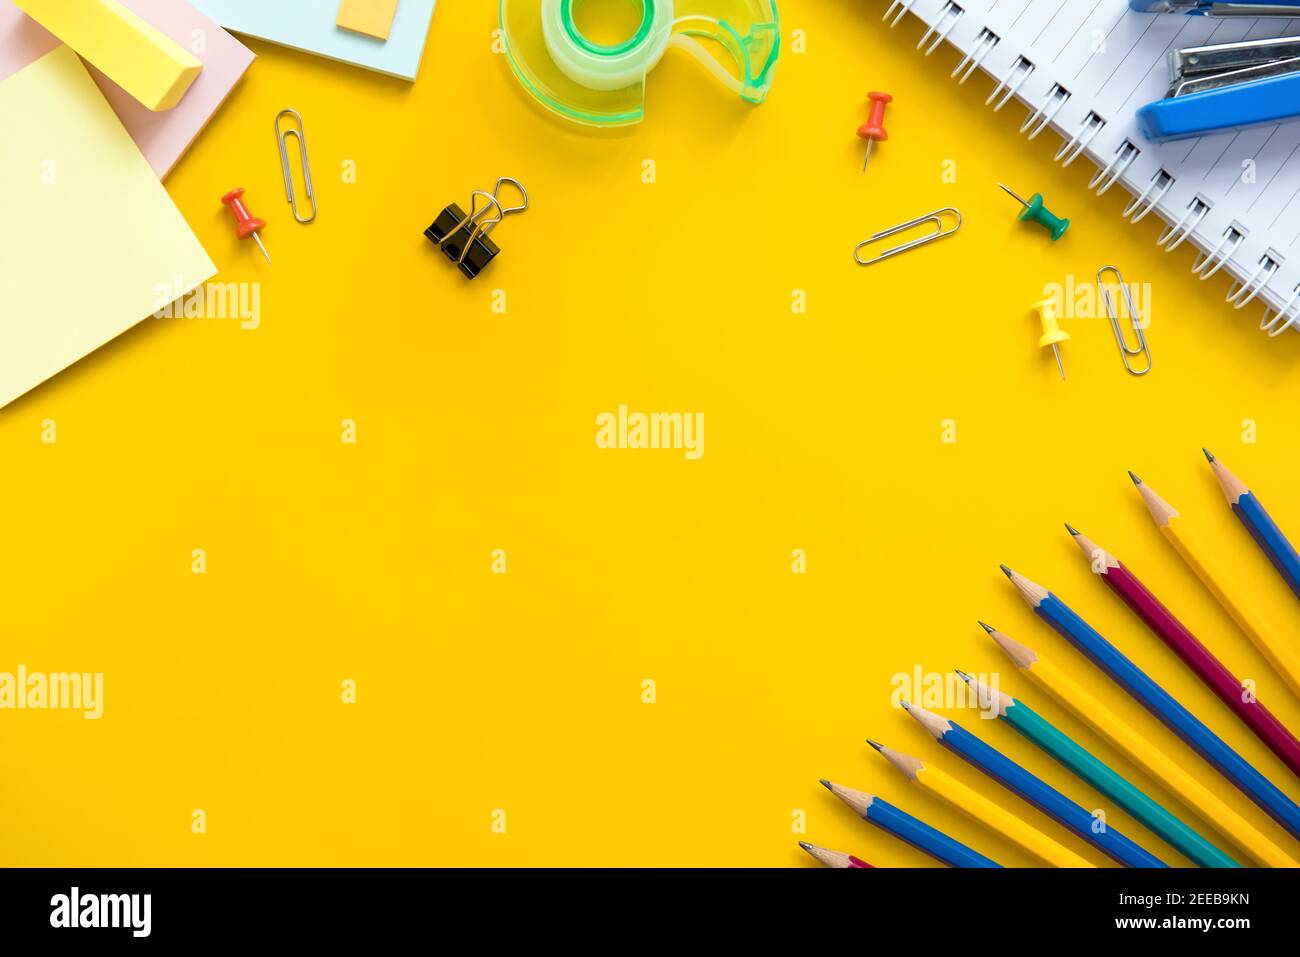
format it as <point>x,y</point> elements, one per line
<point>1208,8</point>
<point>1227,86</point>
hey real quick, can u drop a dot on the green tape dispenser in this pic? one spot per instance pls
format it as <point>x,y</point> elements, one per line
<point>599,79</point>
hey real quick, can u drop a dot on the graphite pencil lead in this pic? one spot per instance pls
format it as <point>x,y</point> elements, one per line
<point>1161,511</point>
<point>1071,529</point>
<point>1022,655</point>
<point>1136,480</point>
<point>1095,552</point>
<point>860,801</point>
<point>963,675</point>
<point>1233,488</point>
<point>1006,571</point>
<point>805,845</point>
<point>936,725</point>
<point>908,765</point>
<point>987,627</point>
<point>826,784</point>
<point>1208,456</point>
<point>1031,592</point>
<point>875,744</point>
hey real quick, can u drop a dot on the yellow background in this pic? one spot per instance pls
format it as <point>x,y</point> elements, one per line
<point>522,691</point>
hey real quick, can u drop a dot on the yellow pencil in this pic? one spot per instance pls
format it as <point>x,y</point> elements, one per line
<point>982,809</point>
<point>1197,557</point>
<point>1142,753</point>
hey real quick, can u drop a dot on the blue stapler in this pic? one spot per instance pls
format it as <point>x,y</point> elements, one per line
<point>1226,86</point>
<point>1208,8</point>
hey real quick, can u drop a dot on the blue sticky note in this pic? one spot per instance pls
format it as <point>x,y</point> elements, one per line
<point>308,25</point>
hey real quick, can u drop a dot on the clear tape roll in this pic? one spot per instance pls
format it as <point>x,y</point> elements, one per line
<point>606,67</point>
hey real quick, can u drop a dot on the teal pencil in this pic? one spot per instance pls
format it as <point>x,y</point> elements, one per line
<point>1100,777</point>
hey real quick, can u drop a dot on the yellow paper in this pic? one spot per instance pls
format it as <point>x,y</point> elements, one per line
<point>89,239</point>
<point>374,18</point>
<point>135,55</point>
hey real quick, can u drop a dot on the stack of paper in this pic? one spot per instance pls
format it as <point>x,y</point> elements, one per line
<point>310,25</point>
<point>89,239</point>
<point>165,135</point>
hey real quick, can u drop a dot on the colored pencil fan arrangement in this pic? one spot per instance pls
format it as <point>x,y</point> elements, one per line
<point>1217,835</point>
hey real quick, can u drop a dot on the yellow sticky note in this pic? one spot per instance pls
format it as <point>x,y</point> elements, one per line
<point>142,60</point>
<point>90,242</point>
<point>374,18</point>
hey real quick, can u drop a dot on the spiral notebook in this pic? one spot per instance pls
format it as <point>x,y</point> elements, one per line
<point>1082,69</point>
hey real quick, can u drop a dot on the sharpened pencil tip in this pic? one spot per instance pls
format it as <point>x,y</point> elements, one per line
<point>963,675</point>
<point>1006,571</point>
<point>805,845</point>
<point>1136,480</point>
<point>826,784</point>
<point>905,705</point>
<point>875,744</point>
<point>987,627</point>
<point>1209,457</point>
<point>1071,529</point>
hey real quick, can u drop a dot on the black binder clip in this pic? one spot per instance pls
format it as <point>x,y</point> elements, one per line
<point>463,238</point>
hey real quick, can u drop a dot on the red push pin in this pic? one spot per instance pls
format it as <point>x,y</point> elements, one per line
<point>873,130</point>
<point>249,225</point>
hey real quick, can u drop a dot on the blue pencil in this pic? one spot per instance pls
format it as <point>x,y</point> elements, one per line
<point>1033,789</point>
<point>1159,702</point>
<point>1261,526</point>
<point>909,829</point>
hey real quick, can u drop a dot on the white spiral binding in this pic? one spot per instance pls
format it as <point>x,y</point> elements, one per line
<point>1077,143</point>
<point>1240,294</point>
<point>1271,326</point>
<point>1118,165</point>
<point>984,45</point>
<point>1196,211</point>
<point>1255,284</point>
<point>903,6</point>
<point>1136,211</point>
<point>940,35</point>
<point>1006,83</point>
<point>1047,110</point>
<point>1231,234</point>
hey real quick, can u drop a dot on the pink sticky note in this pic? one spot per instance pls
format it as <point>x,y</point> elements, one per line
<point>163,137</point>
<point>22,40</point>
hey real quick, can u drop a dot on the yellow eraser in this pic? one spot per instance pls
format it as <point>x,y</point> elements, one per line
<point>374,18</point>
<point>145,62</point>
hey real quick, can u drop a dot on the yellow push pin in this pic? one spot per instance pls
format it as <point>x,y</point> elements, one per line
<point>1053,335</point>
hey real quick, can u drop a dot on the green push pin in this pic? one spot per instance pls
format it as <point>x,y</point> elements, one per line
<point>1035,210</point>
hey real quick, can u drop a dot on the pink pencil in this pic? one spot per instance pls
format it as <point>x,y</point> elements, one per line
<point>833,858</point>
<point>1194,654</point>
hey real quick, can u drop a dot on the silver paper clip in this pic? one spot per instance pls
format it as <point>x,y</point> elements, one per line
<point>939,232</point>
<point>1126,351</point>
<point>280,137</point>
<point>483,219</point>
